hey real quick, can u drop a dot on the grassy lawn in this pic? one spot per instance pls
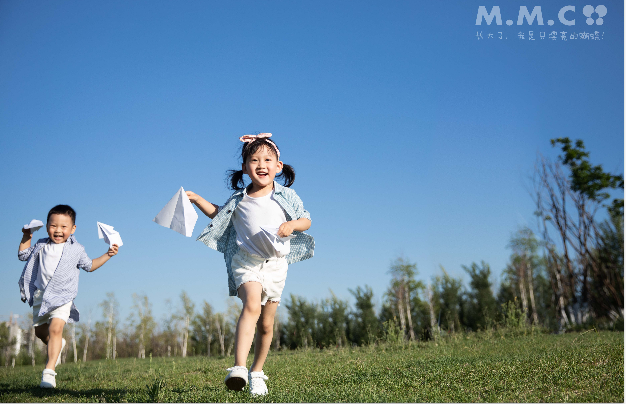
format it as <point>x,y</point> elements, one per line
<point>552,368</point>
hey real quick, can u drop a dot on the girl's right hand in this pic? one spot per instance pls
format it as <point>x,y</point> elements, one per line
<point>193,197</point>
<point>26,233</point>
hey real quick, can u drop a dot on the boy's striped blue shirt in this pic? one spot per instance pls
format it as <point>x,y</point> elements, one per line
<point>220,234</point>
<point>63,286</point>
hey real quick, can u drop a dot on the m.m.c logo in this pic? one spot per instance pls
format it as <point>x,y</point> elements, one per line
<point>565,15</point>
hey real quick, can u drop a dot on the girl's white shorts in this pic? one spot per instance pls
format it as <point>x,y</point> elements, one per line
<point>62,312</point>
<point>271,273</point>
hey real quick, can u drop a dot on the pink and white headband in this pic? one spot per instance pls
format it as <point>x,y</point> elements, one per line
<point>252,138</point>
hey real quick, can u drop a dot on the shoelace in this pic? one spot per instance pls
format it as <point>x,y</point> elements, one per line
<point>259,375</point>
<point>257,381</point>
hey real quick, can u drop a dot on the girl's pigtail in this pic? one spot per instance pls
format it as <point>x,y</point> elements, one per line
<point>234,179</point>
<point>288,174</point>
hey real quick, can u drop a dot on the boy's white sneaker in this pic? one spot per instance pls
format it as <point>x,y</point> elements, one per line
<point>257,383</point>
<point>48,379</point>
<point>237,378</point>
<point>61,351</point>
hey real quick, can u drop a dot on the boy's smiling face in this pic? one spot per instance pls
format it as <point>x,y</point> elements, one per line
<point>60,228</point>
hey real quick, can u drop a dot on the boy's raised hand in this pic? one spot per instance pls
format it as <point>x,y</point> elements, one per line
<point>112,250</point>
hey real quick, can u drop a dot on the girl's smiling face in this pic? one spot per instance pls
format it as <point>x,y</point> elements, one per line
<point>262,167</point>
<point>60,228</point>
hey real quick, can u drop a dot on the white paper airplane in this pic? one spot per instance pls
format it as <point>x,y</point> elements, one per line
<point>178,215</point>
<point>34,225</point>
<point>273,233</point>
<point>109,235</point>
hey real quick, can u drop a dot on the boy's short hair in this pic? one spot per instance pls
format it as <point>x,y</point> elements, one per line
<point>62,210</point>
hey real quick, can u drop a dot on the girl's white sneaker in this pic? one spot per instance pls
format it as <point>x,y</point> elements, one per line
<point>257,383</point>
<point>236,378</point>
<point>48,380</point>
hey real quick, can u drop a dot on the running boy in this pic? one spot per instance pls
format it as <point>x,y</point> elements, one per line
<point>49,281</point>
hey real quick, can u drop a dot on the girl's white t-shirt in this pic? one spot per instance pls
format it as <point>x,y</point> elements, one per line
<point>253,213</point>
<point>49,257</point>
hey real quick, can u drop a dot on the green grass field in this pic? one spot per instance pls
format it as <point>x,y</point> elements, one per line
<point>540,368</point>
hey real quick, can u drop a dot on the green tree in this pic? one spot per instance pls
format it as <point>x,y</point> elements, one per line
<point>447,299</point>
<point>570,204</point>
<point>363,326</point>
<point>479,304</point>
<point>302,323</point>
<point>141,324</point>
<point>203,329</point>
<point>331,323</point>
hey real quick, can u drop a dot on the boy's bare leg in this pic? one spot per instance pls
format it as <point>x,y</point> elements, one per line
<point>41,331</point>
<point>264,333</point>
<point>250,295</point>
<point>55,332</point>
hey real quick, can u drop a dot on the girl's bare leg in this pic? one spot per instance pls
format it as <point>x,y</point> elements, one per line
<point>250,295</point>
<point>51,335</point>
<point>264,333</point>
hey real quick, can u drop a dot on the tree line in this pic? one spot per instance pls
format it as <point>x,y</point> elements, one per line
<point>567,274</point>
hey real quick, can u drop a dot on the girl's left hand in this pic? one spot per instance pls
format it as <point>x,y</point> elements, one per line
<point>285,229</point>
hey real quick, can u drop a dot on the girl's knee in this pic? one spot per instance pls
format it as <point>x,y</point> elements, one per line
<point>266,326</point>
<point>252,308</point>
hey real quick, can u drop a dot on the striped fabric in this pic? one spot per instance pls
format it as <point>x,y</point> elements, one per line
<point>220,234</point>
<point>63,287</point>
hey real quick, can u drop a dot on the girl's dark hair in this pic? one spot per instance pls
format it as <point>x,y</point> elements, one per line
<point>234,178</point>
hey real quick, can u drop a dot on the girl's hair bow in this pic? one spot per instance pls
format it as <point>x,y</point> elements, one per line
<point>252,138</point>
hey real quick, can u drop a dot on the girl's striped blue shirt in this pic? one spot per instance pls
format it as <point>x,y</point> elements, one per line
<point>220,234</point>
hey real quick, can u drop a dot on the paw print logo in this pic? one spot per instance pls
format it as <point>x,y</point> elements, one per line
<point>589,10</point>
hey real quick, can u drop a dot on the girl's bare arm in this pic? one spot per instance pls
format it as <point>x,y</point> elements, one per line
<point>208,208</point>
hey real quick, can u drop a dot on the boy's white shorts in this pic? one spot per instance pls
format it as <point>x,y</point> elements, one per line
<point>271,273</point>
<point>62,312</point>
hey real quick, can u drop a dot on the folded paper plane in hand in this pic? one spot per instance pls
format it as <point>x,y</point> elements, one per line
<point>178,215</point>
<point>272,233</point>
<point>109,235</point>
<point>34,225</point>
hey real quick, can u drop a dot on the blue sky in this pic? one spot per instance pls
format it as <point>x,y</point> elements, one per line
<point>410,136</point>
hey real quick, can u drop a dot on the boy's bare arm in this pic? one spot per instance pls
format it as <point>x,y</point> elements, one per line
<point>98,262</point>
<point>205,206</point>
<point>27,236</point>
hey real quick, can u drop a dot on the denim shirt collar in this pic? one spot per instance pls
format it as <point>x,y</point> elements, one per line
<point>277,190</point>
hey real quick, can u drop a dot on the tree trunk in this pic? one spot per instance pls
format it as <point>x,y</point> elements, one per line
<point>142,351</point>
<point>399,296</point>
<point>114,348</point>
<point>74,342</point>
<point>31,345</point>
<point>431,308</point>
<point>531,291</point>
<point>109,336</point>
<point>185,336</point>
<point>220,335</point>
<point>208,340</point>
<point>230,347</point>
<point>86,346</point>
<point>521,276</point>
<point>407,300</point>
